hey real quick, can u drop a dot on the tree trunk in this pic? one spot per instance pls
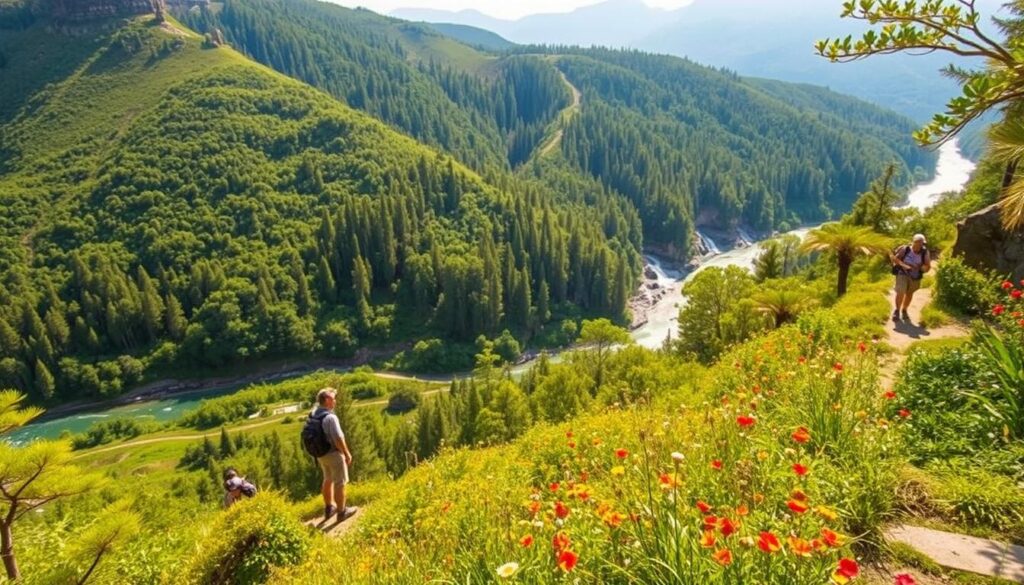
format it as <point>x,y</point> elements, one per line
<point>7,551</point>
<point>844,273</point>
<point>1009,173</point>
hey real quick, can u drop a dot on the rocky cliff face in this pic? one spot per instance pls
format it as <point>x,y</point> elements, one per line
<point>983,244</point>
<point>86,10</point>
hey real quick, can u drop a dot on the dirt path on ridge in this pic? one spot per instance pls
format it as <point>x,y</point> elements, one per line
<point>901,336</point>
<point>563,117</point>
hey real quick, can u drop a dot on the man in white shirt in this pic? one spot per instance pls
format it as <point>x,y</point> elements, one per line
<point>910,263</point>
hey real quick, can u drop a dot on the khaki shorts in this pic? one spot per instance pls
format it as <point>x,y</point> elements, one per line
<point>334,467</point>
<point>905,284</point>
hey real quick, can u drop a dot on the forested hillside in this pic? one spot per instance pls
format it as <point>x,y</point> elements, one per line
<point>169,204</point>
<point>686,145</point>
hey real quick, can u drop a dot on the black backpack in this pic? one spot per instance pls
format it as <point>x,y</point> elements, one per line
<point>901,253</point>
<point>314,439</point>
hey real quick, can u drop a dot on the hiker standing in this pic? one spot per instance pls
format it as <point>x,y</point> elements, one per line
<point>909,263</point>
<point>236,487</point>
<point>323,439</point>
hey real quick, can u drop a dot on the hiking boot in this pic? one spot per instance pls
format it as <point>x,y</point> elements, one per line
<point>896,316</point>
<point>906,317</point>
<point>347,513</point>
<point>330,511</point>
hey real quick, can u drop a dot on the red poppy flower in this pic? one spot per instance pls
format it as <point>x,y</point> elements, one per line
<point>561,510</point>
<point>847,570</point>
<point>526,541</point>
<point>801,360</point>
<point>560,541</point>
<point>797,506</point>
<point>801,435</point>
<point>768,542</point>
<point>710,522</point>
<point>904,579</point>
<point>723,557</point>
<point>572,444</point>
<point>716,464</point>
<point>621,453</point>
<point>890,395</point>
<point>1016,293</point>
<point>862,347</point>
<point>998,310</point>
<point>838,367</point>
<point>904,413</point>
<point>554,486</point>
<point>567,560</point>
<point>745,421</point>
<point>798,495</point>
<point>799,469</point>
<point>704,507</point>
<point>568,434</point>
<point>728,527</point>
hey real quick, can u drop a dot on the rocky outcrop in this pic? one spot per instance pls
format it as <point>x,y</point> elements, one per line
<point>73,11</point>
<point>983,244</point>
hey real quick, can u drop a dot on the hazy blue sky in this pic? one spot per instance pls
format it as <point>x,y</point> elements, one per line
<point>508,9</point>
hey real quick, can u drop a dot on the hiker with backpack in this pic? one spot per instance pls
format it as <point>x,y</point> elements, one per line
<point>323,439</point>
<point>236,487</point>
<point>910,262</point>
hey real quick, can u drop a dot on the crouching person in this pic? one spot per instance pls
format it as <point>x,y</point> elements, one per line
<point>236,488</point>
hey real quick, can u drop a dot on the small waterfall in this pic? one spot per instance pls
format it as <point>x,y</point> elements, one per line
<point>707,245</point>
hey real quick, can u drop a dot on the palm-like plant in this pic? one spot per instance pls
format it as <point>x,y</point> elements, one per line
<point>847,242</point>
<point>1006,145</point>
<point>783,305</point>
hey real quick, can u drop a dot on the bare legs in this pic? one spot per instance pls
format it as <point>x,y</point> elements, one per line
<point>333,492</point>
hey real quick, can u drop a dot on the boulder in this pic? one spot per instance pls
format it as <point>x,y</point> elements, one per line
<point>650,273</point>
<point>983,244</point>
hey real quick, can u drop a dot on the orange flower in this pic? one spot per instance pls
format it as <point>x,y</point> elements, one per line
<point>758,498</point>
<point>800,469</point>
<point>567,560</point>
<point>561,510</point>
<point>801,435</point>
<point>745,421</point>
<point>831,538</point>
<point>826,513</point>
<point>716,464</point>
<point>768,542</point>
<point>890,395</point>
<point>838,367</point>
<point>710,522</point>
<point>862,347</point>
<point>571,444</point>
<point>798,494</point>
<point>727,526</point>
<point>560,541</point>
<point>534,507</point>
<point>800,547</point>
<point>613,519</point>
<point>904,413</point>
<point>703,507</point>
<point>667,481</point>
<point>846,571</point>
<point>742,510</point>
<point>621,453</point>
<point>707,539</point>
<point>554,486</point>
<point>723,556</point>
<point>526,541</point>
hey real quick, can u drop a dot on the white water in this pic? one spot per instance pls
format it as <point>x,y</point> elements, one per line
<point>951,174</point>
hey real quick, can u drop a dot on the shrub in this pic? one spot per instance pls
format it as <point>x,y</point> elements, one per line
<point>246,542</point>
<point>962,289</point>
<point>403,400</point>
<point>976,497</point>
<point>338,340</point>
<point>110,430</point>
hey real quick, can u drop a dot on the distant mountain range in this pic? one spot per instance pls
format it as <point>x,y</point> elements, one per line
<point>751,37</point>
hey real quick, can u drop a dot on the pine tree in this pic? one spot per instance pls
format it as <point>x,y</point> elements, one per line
<point>227,446</point>
<point>44,382</point>
<point>152,305</point>
<point>174,318</point>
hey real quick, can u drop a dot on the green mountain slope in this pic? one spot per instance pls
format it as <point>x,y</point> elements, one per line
<point>686,145</point>
<point>472,36</point>
<point>170,204</point>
